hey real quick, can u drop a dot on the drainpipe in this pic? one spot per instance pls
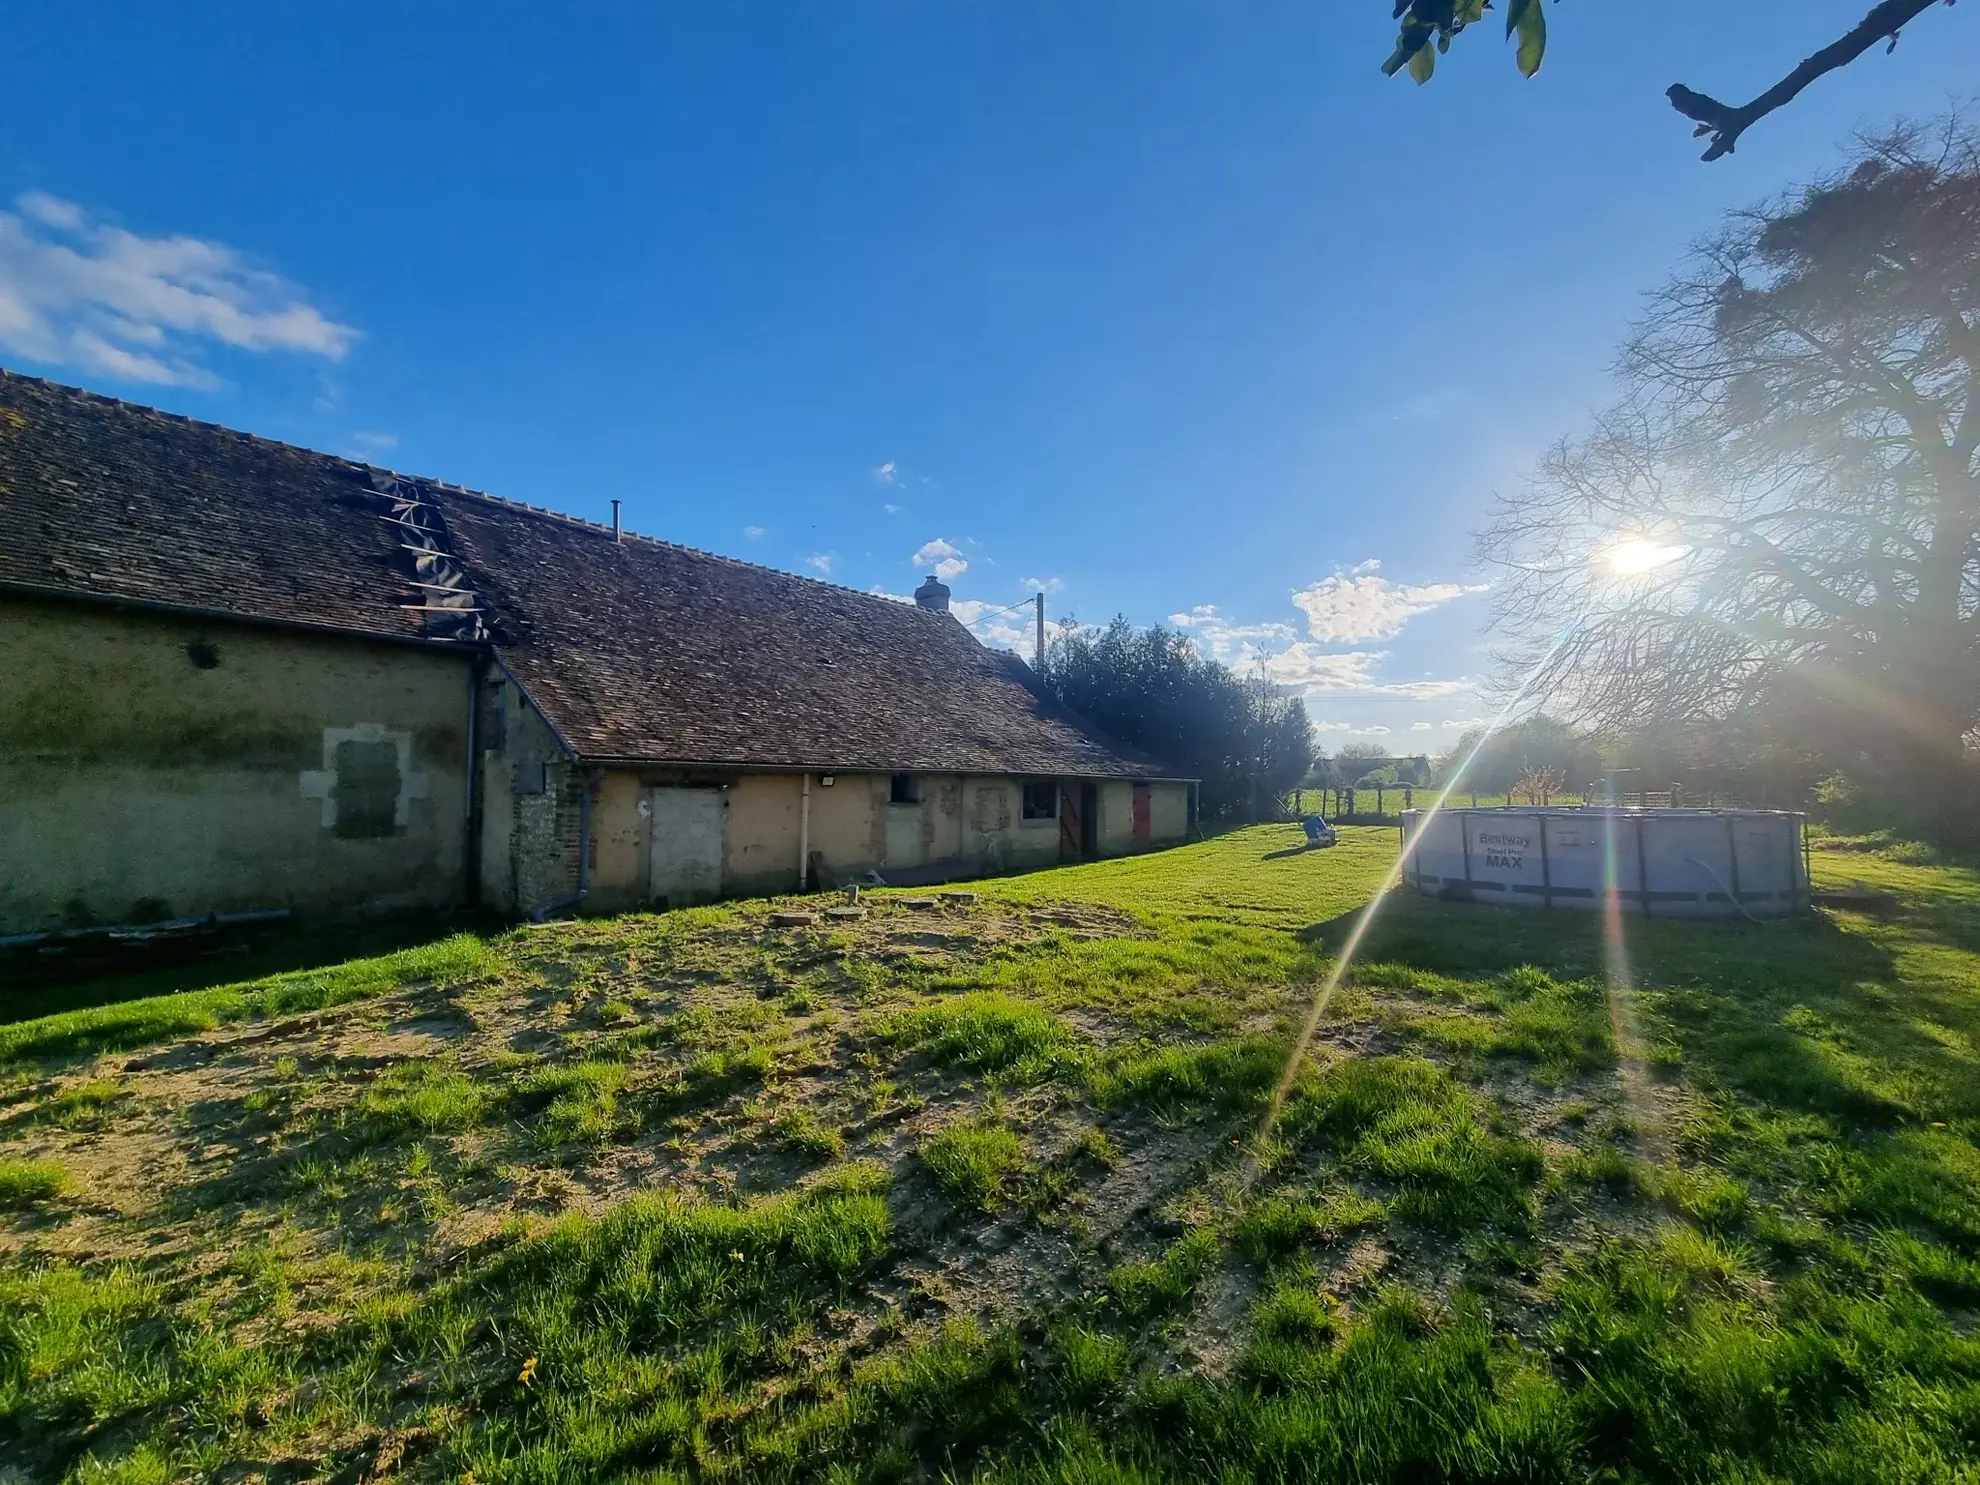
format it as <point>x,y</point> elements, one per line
<point>584,852</point>
<point>471,812</point>
<point>804,833</point>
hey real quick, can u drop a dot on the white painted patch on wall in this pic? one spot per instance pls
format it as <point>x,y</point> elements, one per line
<point>321,783</point>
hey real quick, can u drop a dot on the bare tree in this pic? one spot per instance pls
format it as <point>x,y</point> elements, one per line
<point>1787,497</point>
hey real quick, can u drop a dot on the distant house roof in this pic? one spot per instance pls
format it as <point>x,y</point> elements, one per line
<point>636,650</point>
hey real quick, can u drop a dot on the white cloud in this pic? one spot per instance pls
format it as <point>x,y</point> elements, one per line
<point>1334,727</point>
<point>1047,586</point>
<point>947,560</point>
<point>1359,604</point>
<point>1302,667</point>
<point>75,291</point>
<point>1421,727</point>
<point>1467,723</point>
<point>754,533</point>
<point>1378,730</point>
<point>375,441</point>
<point>891,509</point>
<point>820,560</point>
<point>879,592</point>
<point>887,474</point>
<point>1227,639</point>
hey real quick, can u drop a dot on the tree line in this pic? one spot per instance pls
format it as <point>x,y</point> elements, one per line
<point>1153,689</point>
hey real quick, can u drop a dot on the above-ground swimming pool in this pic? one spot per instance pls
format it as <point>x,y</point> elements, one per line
<point>1674,862</point>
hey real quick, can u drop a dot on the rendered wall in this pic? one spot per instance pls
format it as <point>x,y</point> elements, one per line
<point>1115,831</point>
<point>1168,813</point>
<point>763,834</point>
<point>153,766</point>
<point>957,827</point>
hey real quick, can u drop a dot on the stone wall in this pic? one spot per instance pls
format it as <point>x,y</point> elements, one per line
<point>156,766</point>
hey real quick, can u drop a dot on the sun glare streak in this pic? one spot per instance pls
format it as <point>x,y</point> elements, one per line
<point>1254,1159</point>
<point>1619,990</point>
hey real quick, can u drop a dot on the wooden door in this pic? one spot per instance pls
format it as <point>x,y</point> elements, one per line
<point>1141,812</point>
<point>1072,816</point>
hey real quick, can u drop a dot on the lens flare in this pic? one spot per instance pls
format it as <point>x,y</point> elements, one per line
<point>1254,1159</point>
<point>1619,989</point>
<point>1637,555</point>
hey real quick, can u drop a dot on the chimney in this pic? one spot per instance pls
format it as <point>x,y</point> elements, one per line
<point>615,520</point>
<point>933,595</point>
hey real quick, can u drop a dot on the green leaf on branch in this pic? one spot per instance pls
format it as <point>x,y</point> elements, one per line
<point>1529,19</point>
<point>1423,64</point>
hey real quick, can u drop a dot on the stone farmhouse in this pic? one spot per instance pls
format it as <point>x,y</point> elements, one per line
<point>239,676</point>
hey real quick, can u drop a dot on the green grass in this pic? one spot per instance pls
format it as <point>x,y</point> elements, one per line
<point>92,1029</point>
<point>684,1197</point>
<point>989,1032</point>
<point>975,1160</point>
<point>29,1183</point>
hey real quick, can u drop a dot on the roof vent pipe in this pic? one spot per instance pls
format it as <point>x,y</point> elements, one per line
<point>615,520</point>
<point>933,595</point>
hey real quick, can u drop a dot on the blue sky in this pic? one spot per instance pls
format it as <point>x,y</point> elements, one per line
<point>1180,309</point>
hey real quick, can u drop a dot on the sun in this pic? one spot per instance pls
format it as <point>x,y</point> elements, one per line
<point>1639,555</point>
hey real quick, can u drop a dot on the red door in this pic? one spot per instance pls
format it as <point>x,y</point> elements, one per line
<point>1141,812</point>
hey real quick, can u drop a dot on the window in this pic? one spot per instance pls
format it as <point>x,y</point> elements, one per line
<point>1041,800</point>
<point>904,788</point>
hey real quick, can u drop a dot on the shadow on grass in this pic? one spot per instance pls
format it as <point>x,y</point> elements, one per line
<point>1810,1016</point>
<point>268,951</point>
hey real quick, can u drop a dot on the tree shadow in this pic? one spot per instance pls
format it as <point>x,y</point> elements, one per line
<point>1804,1015</point>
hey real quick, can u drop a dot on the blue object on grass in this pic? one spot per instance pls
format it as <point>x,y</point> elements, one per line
<point>1318,831</point>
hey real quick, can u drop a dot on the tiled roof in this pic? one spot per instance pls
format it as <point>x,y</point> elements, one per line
<point>635,649</point>
<point>106,498</point>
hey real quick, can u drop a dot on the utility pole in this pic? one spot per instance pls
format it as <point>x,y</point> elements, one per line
<point>1040,667</point>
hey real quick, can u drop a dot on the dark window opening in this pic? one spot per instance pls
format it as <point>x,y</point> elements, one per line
<point>903,788</point>
<point>203,655</point>
<point>1041,800</point>
<point>367,788</point>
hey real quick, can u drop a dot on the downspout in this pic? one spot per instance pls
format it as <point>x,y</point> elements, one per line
<point>804,833</point>
<point>471,813</point>
<point>584,852</point>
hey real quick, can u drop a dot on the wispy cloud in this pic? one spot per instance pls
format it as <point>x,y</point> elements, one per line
<point>1227,639</point>
<point>887,474</point>
<point>890,508</point>
<point>947,560</point>
<point>753,533</point>
<point>374,442</point>
<point>820,560</point>
<point>1421,727</point>
<point>1047,586</point>
<point>1361,604</point>
<point>75,291</point>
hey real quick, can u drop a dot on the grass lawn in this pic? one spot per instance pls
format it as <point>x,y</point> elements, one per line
<point>982,1192</point>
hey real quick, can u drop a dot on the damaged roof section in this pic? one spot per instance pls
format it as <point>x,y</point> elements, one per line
<point>637,650</point>
<point>105,499</point>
